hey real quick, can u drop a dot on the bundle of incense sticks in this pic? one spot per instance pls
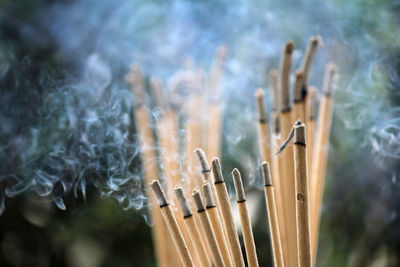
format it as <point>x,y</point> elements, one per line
<point>202,231</point>
<point>298,169</point>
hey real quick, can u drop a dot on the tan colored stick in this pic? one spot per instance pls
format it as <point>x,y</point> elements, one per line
<point>245,220</point>
<point>299,98</point>
<point>286,159</point>
<point>227,216</point>
<point>213,214</point>
<point>302,197</point>
<point>263,129</point>
<point>173,227</point>
<point>215,110</point>
<point>207,228</point>
<point>277,251</point>
<point>142,115</point>
<point>311,114</point>
<point>192,228</point>
<point>320,152</point>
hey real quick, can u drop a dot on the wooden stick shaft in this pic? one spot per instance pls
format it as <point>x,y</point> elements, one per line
<point>177,237</point>
<point>300,110</point>
<point>273,226</point>
<point>302,199</point>
<point>247,232</point>
<point>227,218</point>
<point>211,239</point>
<point>286,171</point>
<point>320,155</point>
<point>219,234</point>
<point>198,243</point>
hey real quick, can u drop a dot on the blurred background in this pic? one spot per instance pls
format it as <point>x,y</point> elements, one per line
<point>71,192</point>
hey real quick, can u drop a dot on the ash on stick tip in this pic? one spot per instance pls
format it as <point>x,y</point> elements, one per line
<point>237,180</point>
<point>158,191</point>
<point>330,78</point>
<point>266,174</point>
<point>180,196</point>
<point>289,47</point>
<point>216,170</point>
<point>205,167</point>
<point>262,116</point>
<point>312,98</point>
<point>197,201</point>
<point>300,134</point>
<point>299,94</point>
<point>208,195</point>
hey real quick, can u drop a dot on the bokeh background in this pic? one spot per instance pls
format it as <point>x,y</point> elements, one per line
<point>71,192</point>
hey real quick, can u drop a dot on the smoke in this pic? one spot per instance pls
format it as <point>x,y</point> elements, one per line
<point>76,129</point>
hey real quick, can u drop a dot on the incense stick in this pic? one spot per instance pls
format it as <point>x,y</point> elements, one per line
<point>192,228</point>
<point>320,152</point>
<point>286,159</point>
<point>146,139</point>
<point>173,227</point>
<point>263,129</point>
<point>213,214</point>
<point>308,58</point>
<point>227,217</point>
<point>207,228</point>
<point>311,114</point>
<point>302,197</point>
<point>299,97</point>
<point>272,216</point>
<point>245,221</point>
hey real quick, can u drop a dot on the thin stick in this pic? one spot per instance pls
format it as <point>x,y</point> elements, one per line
<point>207,228</point>
<point>286,159</point>
<point>245,220</point>
<point>192,228</point>
<point>213,214</point>
<point>263,129</point>
<point>227,217</point>
<point>320,152</point>
<point>302,197</point>
<point>299,98</point>
<point>173,227</point>
<point>146,140</point>
<point>308,58</point>
<point>311,114</point>
<point>272,216</point>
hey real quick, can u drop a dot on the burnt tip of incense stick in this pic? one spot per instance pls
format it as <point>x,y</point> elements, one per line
<point>266,174</point>
<point>237,181</point>
<point>289,47</point>
<point>197,201</point>
<point>330,78</point>
<point>217,171</point>
<point>201,156</point>
<point>299,91</point>
<point>158,191</point>
<point>208,195</point>
<point>289,138</point>
<point>180,196</point>
<point>300,134</point>
<point>312,102</point>
<point>262,114</point>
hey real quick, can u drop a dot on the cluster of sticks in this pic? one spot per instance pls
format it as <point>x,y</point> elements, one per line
<point>293,192</point>
<point>181,103</point>
<point>298,170</point>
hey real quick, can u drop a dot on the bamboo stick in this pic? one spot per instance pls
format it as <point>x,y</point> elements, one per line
<point>192,228</point>
<point>213,214</point>
<point>302,197</point>
<point>286,158</point>
<point>263,129</point>
<point>227,216</point>
<point>276,244</point>
<point>173,227</point>
<point>299,98</point>
<point>311,114</point>
<point>164,256</point>
<point>320,152</point>
<point>207,228</point>
<point>245,220</point>
<point>307,61</point>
